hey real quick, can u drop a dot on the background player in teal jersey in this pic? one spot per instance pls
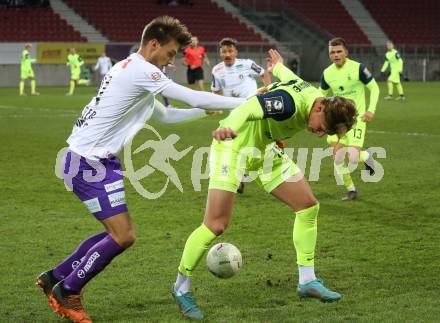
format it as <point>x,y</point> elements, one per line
<point>289,106</point>
<point>75,62</point>
<point>348,79</point>
<point>395,62</point>
<point>26,71</point>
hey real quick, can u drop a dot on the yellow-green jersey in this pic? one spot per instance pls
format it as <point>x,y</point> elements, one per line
<point>395,62</point>
<point>26,60</point>
<point>349,81</point>
<point>26,65</point>
<point>260,121</point>
<point>75,62</point>
<point>276,115</point>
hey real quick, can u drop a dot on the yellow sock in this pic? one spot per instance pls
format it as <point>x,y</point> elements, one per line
<point>399,88</point>
<point>305,232</point>
<point>390,88</point>
<point>346,178</point>
<point>196,245</point>
<point>348,182</point>
<point>21,87</point>
<point>363,155</point>
<point>72,87</point>
<point>33,85</point>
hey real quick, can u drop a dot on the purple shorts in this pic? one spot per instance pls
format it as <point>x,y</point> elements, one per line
<point>99,184</point>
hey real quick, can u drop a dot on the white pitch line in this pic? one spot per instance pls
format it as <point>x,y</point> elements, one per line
<point>53,110</point>
<point>420,134</point>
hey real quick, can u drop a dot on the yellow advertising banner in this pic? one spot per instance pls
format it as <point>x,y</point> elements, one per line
<point>56,53</point>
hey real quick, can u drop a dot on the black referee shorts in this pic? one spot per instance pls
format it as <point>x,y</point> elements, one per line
<point>194,75</point>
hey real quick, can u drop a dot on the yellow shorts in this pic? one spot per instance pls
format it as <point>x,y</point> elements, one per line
<point>228,164</point>
<point>75,75</point>
<point>355,137</point>
<point>27,73</point>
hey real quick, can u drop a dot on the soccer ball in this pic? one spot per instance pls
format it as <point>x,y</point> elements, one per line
<point>224,260</point>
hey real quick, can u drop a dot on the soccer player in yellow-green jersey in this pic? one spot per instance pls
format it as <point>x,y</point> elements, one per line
<point>348,78</point>
<point>26,71</point>
<point>395,62</point>
<point>288,107</point>
<point>75,62</point>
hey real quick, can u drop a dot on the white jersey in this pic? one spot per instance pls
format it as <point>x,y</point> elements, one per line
<point>104,65</point>
<point>236,80</point>
<point>124,103</point>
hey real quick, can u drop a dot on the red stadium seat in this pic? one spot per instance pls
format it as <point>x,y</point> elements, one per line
<point>35,24</point>
<point>421,24</point>
<point>330,16</point>
<point>132,15</point>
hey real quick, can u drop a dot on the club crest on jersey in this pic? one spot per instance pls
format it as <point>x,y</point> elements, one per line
<point>367,72</point>
<point>155,76</point>
<point>274,105</point>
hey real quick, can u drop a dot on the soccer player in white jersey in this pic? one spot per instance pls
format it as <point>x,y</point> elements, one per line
<point>90,167</point>
<point>103,66</point>
<point>236,76</point>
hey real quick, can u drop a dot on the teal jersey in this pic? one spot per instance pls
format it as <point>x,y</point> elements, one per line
<point>394,60</point>
<point>348,81</point>
<point>75,61</point>
<point>26,60</point>
<point>276,115</point>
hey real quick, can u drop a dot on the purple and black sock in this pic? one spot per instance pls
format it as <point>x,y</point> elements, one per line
<point>95,260</point>
<point>68,265</point>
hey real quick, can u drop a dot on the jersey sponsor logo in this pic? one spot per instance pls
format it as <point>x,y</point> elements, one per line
<point>91,260</point>
<point>81,273</point>
<point>225,170</point>
<point>367,73</point>
<point>274,105</point>
<point>93,205</point>
<point>155,76</point>
<point>117,198</point>
<point>114,186</point>
<point>256,68</point>
<point>75,264</point>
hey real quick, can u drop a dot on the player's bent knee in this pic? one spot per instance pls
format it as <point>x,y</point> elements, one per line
<point>217,228</point>
<point>308,202</point>
<point>126,240</point>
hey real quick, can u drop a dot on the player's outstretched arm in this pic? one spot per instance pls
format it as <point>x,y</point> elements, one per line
<point>248,111</point>
<point>384,66</point>
<point>203,100</point>
<point>172,115</point>
<point>374,97</point>
<point>276,66</point>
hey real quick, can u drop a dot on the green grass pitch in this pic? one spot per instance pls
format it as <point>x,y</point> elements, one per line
<point>381,251</point>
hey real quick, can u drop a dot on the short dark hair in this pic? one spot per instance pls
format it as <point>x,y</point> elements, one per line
<point>228,42</point>
<point>338,41</point>
<point>340,114</point>
<point>165,29</point>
